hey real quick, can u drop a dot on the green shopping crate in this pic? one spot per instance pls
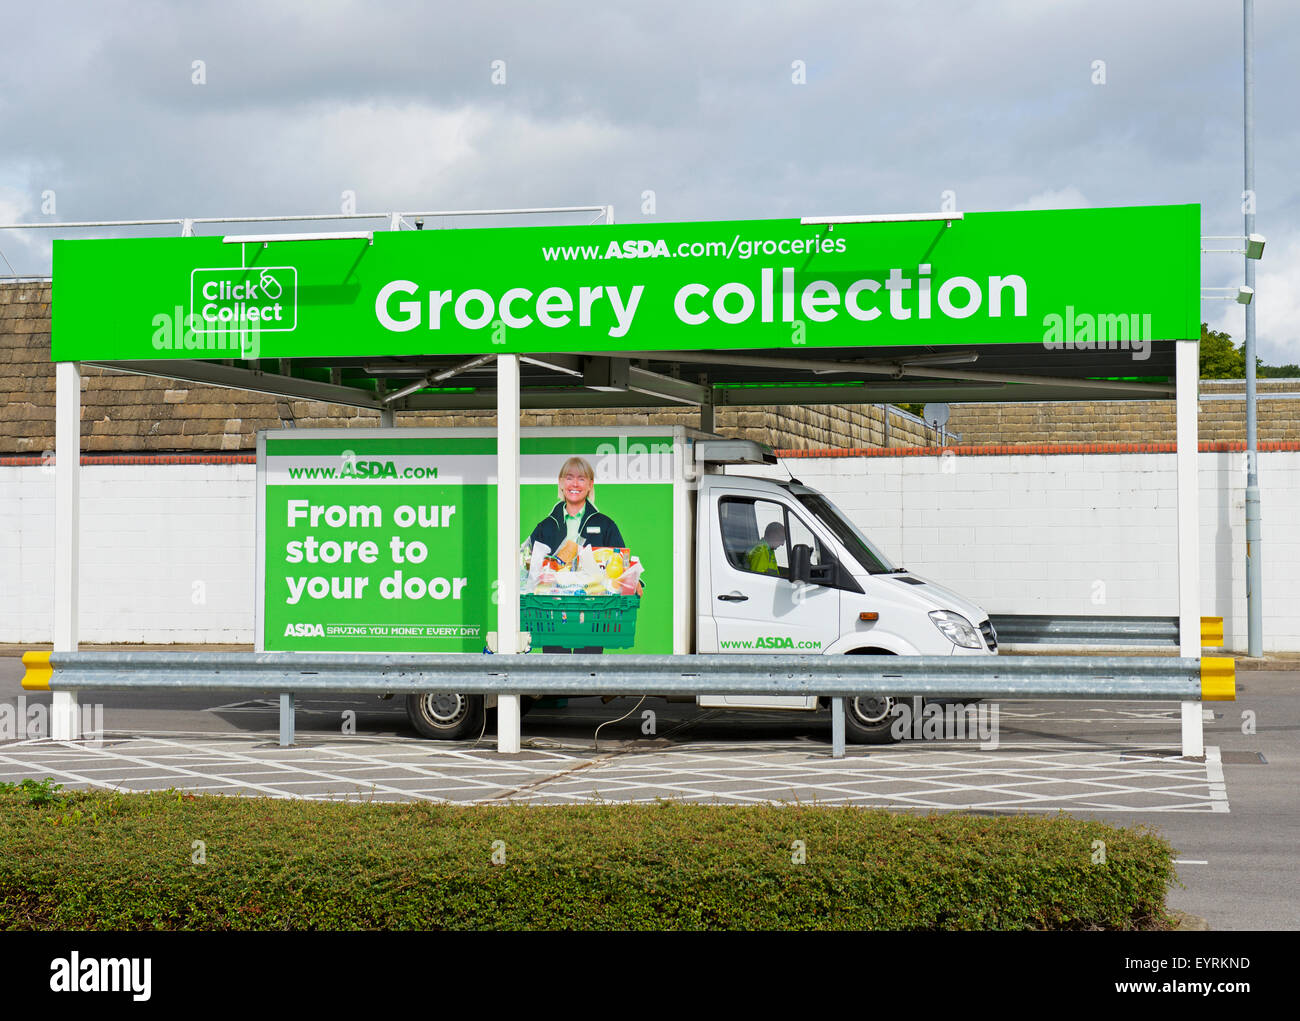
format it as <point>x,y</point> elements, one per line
<point>575,622</point>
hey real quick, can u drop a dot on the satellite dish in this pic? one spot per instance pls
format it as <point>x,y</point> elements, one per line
<point>936,414</point>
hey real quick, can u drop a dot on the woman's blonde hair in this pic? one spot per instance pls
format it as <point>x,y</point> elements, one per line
<point>582,465</point>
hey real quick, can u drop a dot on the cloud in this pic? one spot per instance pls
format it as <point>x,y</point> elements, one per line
<point>1277,290</point>
<point>1068,197</point>
<point>903,102</point>
<point>1277,305</point>
<point>24,252</point>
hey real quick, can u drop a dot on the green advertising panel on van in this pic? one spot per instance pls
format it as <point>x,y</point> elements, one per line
<point>386,541</point>
<point>980,278</point>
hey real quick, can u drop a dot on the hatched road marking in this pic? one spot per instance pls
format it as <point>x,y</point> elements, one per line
<point>1038,776</point>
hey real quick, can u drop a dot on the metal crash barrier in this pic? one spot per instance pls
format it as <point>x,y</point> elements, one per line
<point>1080,629</point>
<point>1150,678</point>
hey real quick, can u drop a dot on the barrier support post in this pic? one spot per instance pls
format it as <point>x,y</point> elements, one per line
<point>1186,400</point>
<point>286,719</point>
<point>837,728</point>
<point>508,715</point>
<point>64,714</point>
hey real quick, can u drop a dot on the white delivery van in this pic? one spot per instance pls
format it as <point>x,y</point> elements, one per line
<point>383,540</point>
<point>826,590</point>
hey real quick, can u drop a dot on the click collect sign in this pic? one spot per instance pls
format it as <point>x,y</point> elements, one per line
<point>264,297</point>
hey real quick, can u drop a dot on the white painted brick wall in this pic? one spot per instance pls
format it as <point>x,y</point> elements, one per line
<point>148,534</point>
<point>1036,533</point>
<point>1016,533</point>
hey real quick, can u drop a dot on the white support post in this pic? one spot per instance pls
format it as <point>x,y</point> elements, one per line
<point>1186,399</point>
<point>64,715</point>
<point>508,735</point>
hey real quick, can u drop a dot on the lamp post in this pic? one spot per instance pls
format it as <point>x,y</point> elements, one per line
<point>1254,544</point>
<point>1253,251</point>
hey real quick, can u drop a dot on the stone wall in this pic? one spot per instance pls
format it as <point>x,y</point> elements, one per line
<point>1130,421</point>
<point>123,413</point>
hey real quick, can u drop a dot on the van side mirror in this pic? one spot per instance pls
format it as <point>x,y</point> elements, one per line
<point>801,564</point>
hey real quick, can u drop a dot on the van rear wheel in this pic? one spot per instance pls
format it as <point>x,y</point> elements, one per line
<point>870,719</point>
<point>446,716</point>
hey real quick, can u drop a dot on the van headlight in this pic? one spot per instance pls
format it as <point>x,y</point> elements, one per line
<point>957,629</point>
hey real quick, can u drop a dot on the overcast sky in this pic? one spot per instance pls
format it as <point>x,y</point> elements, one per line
<point>998,101</point>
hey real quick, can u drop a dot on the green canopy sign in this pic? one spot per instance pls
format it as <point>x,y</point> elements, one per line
<point>1051,276</point>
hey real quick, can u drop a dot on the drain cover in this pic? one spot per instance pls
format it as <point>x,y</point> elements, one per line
<point>1243,758</point>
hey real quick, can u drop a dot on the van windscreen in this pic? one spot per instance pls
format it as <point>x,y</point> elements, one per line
<point>857,544</point>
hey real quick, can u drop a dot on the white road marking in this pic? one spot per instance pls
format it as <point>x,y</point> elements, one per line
<point>1024,777</point>
<point>1214,776</point>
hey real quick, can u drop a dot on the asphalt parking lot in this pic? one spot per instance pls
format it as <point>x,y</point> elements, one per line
<point>1233,817</point>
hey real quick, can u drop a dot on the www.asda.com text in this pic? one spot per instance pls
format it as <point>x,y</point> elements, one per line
<point>743,248</point>
<point>365,470</point>
<point>770,642</point>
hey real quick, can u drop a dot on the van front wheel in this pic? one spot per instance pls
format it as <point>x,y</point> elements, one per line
<point>870,719</point>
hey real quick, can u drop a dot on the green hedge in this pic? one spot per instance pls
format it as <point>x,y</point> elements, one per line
<point>109,861</point>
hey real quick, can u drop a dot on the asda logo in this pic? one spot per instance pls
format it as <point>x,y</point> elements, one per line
<point>638,250</point>
<point>773,642</point>
<point>236,298</point>
<point>369,470</point>
<point>292,630</point>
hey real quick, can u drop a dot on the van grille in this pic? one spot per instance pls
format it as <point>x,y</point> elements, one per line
<point>990,636</point>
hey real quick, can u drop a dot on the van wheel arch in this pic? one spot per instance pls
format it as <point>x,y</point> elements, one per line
<point>870,720</point>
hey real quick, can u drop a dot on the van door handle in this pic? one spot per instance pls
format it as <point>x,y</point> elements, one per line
<point>734,597</point>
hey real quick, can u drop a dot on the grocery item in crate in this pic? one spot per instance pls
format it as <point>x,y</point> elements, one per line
<point>579,570</point>
<point>626,583</point>
<point>567,554</point>
<point>532,564</point>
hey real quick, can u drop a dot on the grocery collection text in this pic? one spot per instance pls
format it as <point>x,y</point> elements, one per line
<point>767,296</point>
